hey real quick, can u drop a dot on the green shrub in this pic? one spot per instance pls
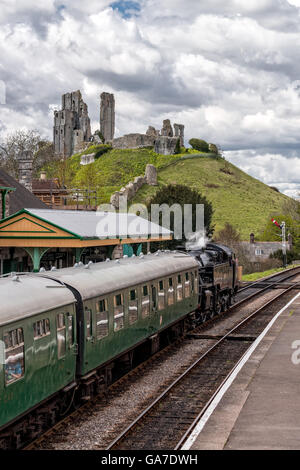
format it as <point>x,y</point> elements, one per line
<point>199,144</point>
<point>103,149</point>
<point>291,255</point>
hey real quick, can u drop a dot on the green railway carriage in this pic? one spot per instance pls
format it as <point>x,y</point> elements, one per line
<point>60,330</point>
<point>124,303</point>
<point>37,338</point>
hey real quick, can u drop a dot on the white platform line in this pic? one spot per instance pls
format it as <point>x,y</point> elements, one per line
<point>190,441</point>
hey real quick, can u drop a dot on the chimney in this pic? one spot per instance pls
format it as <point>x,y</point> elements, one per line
<point>25,159</point>
<point>43,176</point>
<point>252,238</point>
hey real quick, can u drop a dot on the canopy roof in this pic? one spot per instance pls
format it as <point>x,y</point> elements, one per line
<point>68,228</point>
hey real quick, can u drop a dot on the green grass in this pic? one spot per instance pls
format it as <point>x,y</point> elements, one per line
<point>111,171</point>
<point>237,198</point>
<point>256,276</point>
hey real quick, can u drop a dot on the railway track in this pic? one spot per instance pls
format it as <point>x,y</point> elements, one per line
<point>150,362</point>
<point>170,418</point>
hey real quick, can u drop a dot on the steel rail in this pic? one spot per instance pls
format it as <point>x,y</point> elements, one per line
<point>271,276</point>
<point>165,393</point>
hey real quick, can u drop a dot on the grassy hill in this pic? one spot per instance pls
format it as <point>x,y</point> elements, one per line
<point>237,198</point>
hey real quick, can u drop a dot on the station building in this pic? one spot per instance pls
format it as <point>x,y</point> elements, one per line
<point>60,238</point>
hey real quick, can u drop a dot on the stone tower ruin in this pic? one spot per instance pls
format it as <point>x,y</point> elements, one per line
<point>107,116</point>
<point>72,127</point>
<point>179,132</point>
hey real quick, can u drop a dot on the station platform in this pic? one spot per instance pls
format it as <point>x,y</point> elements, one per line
<point>259,407</point>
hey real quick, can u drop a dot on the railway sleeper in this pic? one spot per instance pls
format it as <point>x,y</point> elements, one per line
<point>236,337</point>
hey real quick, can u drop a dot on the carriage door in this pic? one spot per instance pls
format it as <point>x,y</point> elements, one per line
<point>154,298</point>
<point>66,345</point>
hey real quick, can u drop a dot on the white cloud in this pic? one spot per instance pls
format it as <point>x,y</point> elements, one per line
<point>227,70</point>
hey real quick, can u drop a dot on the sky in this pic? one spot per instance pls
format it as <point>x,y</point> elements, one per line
<point>229,71</point>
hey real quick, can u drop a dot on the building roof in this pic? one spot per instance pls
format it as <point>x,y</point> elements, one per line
<point>90,224</point>
<point>77,229</point>
<point>45,185</point>
<point>21,197</point>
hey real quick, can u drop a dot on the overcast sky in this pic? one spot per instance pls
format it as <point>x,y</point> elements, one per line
<point>228,70</point>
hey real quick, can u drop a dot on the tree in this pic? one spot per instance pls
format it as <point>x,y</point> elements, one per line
<point>273,233</point>
<point>19,141</point>
<point>199,144</point>
<point>43,156</point>
<point>228,236</point>
<point>180,194</point>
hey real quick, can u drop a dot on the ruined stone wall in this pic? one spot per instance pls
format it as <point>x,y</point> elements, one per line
<point>133,141</point>
<point>179,132</point>
<point>132,187</point>
<point>164,142</point>
<point>165,145</point>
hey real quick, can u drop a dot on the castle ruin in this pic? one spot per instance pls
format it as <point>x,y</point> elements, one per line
<point>72,127</point>
<point>164,141</point>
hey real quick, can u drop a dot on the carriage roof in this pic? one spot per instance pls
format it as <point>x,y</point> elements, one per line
<point>27,295</point>
<point>102,278</point>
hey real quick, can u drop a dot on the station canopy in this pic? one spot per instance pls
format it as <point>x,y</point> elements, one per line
<point>39,227</point>
<point>37,230</point>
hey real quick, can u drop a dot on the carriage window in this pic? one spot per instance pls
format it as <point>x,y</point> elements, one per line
<point>41,328</point>
<point>133,306</point>
<point>145,302</point>
<point>101,319</point>
<point>61,335</point>
<point>179,287</point>
<point>88,320</point>
<point>161,295</point>
<point>118,312</point>
<point>170,292</point>
<point>187,285</point>
<point>14,355</point>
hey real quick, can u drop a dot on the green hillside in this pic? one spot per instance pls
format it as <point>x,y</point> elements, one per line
<point>110,171</point>
<point>237,198</point>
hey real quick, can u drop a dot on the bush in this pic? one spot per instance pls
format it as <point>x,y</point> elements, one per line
<point>103,149</point>
<point>291,255</point>
<point>199,144</point>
